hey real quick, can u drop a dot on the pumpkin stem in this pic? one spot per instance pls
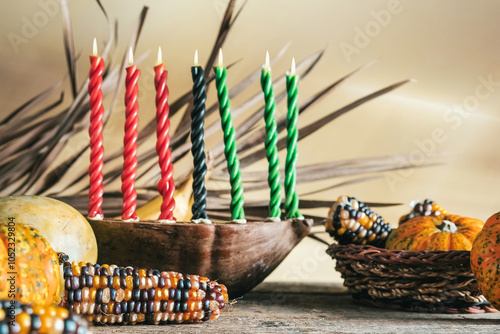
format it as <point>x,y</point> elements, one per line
<point>448,226</point>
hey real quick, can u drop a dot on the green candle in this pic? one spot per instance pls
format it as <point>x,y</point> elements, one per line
<point>273,178</point>
<point>292,199</point>
<point>233,163</point>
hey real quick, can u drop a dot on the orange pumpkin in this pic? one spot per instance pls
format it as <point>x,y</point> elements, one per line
<point>29,267</point>
<point>485,260</point>
<point>441,233</point>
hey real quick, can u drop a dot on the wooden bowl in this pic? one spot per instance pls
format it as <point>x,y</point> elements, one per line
<point>239,256</point>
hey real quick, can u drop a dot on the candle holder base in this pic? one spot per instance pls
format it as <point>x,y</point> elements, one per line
<point>239,256</point>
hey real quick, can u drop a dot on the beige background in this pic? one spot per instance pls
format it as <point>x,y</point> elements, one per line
<point>451,48</point>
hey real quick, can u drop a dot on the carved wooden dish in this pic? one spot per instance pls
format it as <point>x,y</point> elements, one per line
<point>239,256</point>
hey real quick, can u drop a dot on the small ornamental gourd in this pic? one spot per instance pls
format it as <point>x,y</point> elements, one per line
<point>353,222</point>
<point>485,260</point>
<point>24,252</point>
<point>441,233</point>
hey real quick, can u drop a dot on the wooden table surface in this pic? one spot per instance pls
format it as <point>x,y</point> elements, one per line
<point>285,308</point>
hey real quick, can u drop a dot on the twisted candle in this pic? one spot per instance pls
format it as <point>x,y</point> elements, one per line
<point>198,146</point>
<point>166,186</point>
<point>233,163</point>
<point>273,178</point>
<point>130,142</point>
<point>292,199</point>
<point>96,190</point>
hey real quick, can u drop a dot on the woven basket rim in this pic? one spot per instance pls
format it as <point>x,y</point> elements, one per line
<point>385,256</point>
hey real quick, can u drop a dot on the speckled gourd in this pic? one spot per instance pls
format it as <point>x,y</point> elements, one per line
<point>29,267</point>
<point>485,260</point>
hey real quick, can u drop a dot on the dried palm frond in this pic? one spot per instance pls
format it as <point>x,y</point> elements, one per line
<point>34,135</point>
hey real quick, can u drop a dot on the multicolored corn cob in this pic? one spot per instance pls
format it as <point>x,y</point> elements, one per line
<point>425,208</point>
<point>352,222</point>
<point>127,295</point>
<point>22,318</point>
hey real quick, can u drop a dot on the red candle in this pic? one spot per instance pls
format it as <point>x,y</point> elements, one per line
<point>166,186</point>
<point>130,141</point>
<point>96,189</point>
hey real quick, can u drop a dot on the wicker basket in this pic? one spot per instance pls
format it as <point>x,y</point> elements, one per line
<point>437,282</point>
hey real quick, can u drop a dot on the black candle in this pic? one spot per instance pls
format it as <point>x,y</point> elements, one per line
<point>198,146</point>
